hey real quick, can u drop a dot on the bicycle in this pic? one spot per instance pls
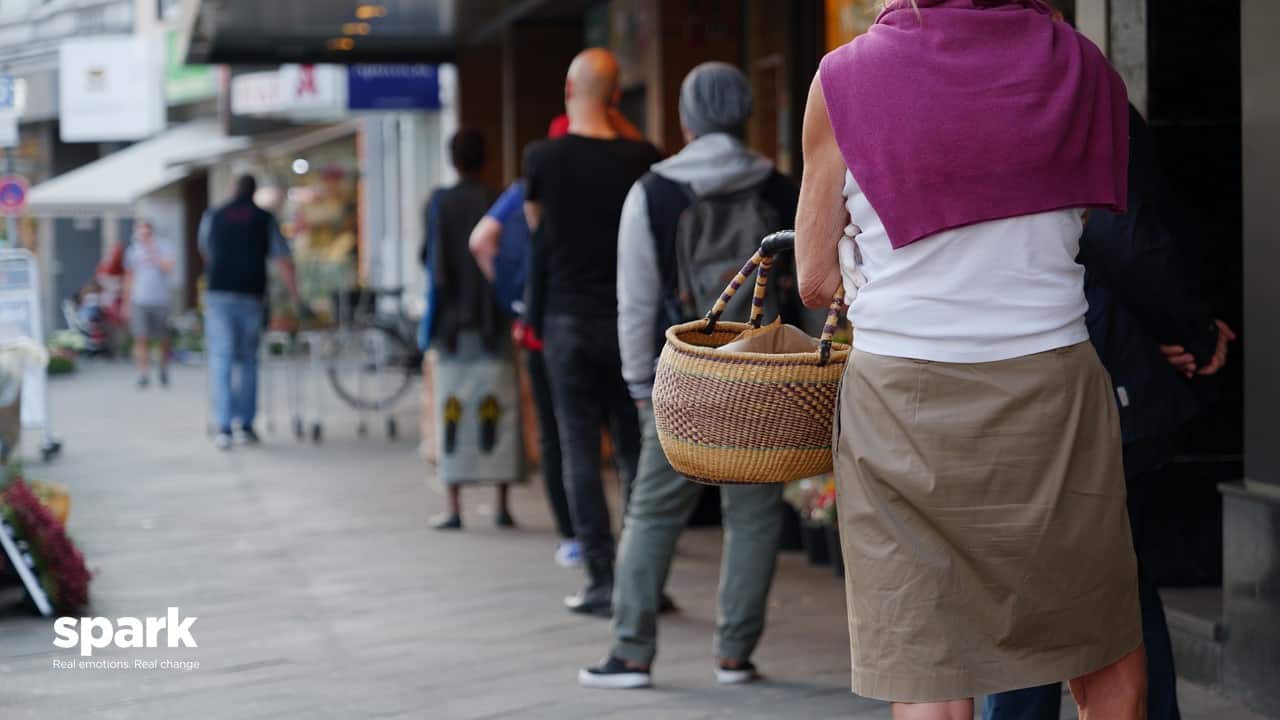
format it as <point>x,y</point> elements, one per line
<point>372,357</point>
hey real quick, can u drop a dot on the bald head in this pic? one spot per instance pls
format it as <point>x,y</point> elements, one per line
<point>592,78</point>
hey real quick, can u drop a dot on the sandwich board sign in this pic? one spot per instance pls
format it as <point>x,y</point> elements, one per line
<point>22,562</point>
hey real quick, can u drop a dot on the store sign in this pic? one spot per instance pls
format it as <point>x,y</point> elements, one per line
<point>110,88</point>
<point>185,83</point>
<point>393,87</point>
<point>313,88</point>
<point>255,93</point>
<point>310,92</point>
<point>8,111</point>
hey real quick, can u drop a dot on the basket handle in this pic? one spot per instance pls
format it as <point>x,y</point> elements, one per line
<point>761,263</point>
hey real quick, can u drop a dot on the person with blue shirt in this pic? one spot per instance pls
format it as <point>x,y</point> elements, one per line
<point>500,245</point>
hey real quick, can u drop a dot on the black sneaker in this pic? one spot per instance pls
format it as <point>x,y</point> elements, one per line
<point>449,521</point>
<point>597,601</point>
<point>614,674</point>
<point>143,382</point>
<point>739,675</point>
<point>249,437</point>
<point>666,605</point>
<point>504,520</point>
<point>164,377</point>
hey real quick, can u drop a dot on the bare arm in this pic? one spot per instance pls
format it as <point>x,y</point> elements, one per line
<point>484,244</point>
<point>533,215</point>
<point>289,276</point>
<point>821,215</point>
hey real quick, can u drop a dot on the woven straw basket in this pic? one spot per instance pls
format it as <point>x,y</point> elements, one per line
<point>741,417</point>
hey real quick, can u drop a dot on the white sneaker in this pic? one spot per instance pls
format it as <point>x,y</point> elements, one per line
<point>569,554</point>
<point>222,441</point>
<point>740,675</point>
<point>613,674</point>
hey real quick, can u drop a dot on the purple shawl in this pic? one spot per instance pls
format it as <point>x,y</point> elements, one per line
<point>976,110</point>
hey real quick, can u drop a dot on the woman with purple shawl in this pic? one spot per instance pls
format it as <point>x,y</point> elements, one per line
<point>950,155</point>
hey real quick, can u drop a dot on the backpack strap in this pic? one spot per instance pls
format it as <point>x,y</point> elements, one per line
<point>667,200</point>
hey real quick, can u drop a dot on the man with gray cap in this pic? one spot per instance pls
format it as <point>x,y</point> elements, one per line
<point>717,183</point>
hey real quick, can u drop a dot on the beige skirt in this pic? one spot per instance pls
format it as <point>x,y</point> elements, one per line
<point>982,515</point>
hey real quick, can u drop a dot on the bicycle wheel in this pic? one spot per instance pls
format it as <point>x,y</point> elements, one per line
<point>371,368</point>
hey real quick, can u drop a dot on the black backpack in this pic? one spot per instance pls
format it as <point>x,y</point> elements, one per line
<point>702,243</point>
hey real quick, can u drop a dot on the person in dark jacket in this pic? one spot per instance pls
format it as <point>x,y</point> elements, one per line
<point>237,240</point>
<point>477,393</point>
<point>1154,336</point>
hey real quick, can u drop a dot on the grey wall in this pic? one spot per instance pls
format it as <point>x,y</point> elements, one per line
<point>1127,46</point>
<point>1260,78</point>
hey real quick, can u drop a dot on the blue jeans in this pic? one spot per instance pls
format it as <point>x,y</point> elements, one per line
<point>232,328</point>
<point>1142,478</point>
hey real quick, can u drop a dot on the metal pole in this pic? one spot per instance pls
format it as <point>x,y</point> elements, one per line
<point>11,220</point>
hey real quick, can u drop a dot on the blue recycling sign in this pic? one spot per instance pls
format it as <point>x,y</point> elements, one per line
<point>393,87</point>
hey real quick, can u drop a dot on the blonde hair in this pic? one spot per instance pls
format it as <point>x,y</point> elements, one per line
<point>886,4</point>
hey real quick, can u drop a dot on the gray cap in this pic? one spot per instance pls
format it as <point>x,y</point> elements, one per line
<point>715,97</point>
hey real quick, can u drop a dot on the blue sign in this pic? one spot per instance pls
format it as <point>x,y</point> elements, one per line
<point>6,92</point>
<point>13,194</point>
<point>393,87</point>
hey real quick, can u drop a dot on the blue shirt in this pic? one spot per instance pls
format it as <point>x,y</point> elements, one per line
<point>511,265</point>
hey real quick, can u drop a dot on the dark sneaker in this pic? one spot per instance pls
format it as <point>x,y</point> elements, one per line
<point>143,382</point>
<point>249,437</point>
<point>596,601</point>
<point>736,675</point>
<point>449,521</point>
<point>164,377</point>
<point>666,605</point>
<point>614,674</point>
<point>504,520</point>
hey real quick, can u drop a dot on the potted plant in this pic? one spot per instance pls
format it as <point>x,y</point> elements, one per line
<point>814,500</point>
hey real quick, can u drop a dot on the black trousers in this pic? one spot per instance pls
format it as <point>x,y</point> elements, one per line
<point>585,369</point>
<point>549,444</point>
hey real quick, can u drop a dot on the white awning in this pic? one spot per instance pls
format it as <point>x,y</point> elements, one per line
<point>113,184</point>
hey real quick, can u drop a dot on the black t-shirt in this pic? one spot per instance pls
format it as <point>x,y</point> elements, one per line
<point>580,183</point>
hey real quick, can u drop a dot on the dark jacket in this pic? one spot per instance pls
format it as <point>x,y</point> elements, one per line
<point>1143,294</point>
<point>239,243</point>
<point>466,302</point>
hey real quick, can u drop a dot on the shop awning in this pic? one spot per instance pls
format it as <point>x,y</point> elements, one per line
<point>113,184</point>
<point>249,32</point>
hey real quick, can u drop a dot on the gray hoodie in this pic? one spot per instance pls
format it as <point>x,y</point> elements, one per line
<point>711,164</point>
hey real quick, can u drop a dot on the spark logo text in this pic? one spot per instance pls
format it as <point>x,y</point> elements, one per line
<point>93,633</point>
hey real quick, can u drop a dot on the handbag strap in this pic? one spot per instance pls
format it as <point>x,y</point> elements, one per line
<point>761,263</point>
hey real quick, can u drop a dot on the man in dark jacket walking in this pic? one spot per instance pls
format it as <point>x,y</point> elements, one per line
<point>237,240</point>
<point>1140,295</point>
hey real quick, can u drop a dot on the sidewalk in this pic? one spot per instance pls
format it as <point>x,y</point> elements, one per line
<point>321,592</point>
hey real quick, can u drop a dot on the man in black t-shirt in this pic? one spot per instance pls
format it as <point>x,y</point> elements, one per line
<point>574,194</point>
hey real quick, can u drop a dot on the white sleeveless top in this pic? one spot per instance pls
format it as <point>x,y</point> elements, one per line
<point>990,291</point>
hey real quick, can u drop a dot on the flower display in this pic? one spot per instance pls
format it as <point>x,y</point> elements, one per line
<point>58,564</point>
<point>814,499</point>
